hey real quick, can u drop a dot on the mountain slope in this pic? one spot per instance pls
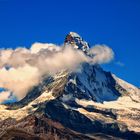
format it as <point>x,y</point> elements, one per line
<point>86,104</point>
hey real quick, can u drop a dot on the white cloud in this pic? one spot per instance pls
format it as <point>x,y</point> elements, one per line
<point>4,96</point>
<point>19,80</point>
<point>101,54</point>
<point>27,66</point>
<point>36,47</point>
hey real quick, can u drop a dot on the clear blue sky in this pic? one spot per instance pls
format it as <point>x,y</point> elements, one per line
<point>115,23</point>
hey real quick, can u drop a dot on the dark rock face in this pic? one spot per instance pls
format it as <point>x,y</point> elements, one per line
<point>80,123</point>
<point>87,85</point>
<point>61,123</point>
<point>69,118</point>
<point>39,128</point>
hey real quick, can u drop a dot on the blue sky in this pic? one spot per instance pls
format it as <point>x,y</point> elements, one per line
<point>115,23</point>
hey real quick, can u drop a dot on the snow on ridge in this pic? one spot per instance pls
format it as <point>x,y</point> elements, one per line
<point>23,112</point>
<point>73,34</point>
<point>124,102</point>
<point>132,90</point>
<point>127,86</point>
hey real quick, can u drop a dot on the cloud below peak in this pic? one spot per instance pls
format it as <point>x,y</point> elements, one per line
<point>27,66</point>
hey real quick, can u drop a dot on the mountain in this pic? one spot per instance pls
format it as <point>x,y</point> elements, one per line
<point>83,105</point>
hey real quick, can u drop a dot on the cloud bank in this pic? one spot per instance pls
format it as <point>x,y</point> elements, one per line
<point>23,68</point>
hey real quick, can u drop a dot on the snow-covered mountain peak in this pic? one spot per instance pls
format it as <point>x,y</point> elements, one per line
<point>76,41</point>
<point>74,34</point>
<point>88,103</point>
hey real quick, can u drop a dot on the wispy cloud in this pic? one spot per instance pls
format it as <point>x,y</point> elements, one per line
<point>101,54</point>
<point>119,63</point>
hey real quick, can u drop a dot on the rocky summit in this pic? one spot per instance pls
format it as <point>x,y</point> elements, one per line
<point>76,41</point>
<point>90,104</point>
